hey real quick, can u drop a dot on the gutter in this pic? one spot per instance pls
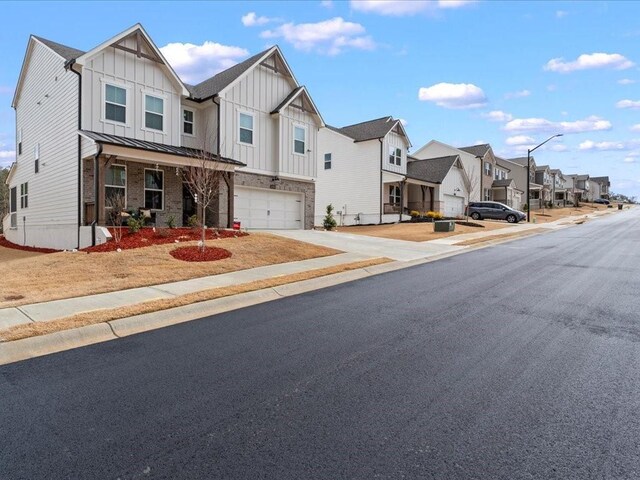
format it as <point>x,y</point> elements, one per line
<point>69,66</point>
<point>96,187</point>
<point>380,189</point>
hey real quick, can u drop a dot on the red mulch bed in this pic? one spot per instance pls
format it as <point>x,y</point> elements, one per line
<point>194,254</point>
<point>146,237</point>
<point>6,243</point>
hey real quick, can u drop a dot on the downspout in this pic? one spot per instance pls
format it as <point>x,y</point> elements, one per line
<point>96,187</point>
<point>227,181</point>
<point>69,66</point>
<point>380,189</point>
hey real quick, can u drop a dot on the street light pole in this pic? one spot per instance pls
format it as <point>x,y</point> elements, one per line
<point>529,150</point>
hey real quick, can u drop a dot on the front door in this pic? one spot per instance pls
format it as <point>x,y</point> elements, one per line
<point>188,205</point>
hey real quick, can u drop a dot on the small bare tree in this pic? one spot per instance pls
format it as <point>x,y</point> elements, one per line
<point>115,203</point>
<point>202,178</point>
<point>472,184</point>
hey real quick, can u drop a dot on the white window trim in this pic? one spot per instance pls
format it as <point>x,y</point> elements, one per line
<point>253,129</point>
<point>143,122</point>
<point>144,185</point>
<point>127,114</point>
<point>19,142</point>
<point>24,196</point>
<point>392,195</point>
<point>126,182</point>
<point>193,123</point>
<point>330,161</point>
<point>397,160</point>
<point>293,139</point>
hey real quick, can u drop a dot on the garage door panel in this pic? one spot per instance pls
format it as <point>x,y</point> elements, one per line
<point>268,209</point>
<point>453,206</point>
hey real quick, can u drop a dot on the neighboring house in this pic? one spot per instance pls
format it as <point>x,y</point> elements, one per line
<point>535,189</point>
<point>594,190</point>
<point>558,192</point>
<point>504,188</point>
<point>518,176</point>
<point>604,184</point>
<point>484,153</point>
<point>473,165</point>
<point>117,119</point>
<point>577,188</point>
<point>543,177</point>
<point>438,184</point>
<point>362,172</point>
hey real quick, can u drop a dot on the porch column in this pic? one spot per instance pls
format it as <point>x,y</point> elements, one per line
<point>423,189</point>
<point>100,194</point>
<point>229,179</point>
<point>431,192</point>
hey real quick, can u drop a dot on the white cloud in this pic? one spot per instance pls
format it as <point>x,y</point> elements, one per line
<point>401,8</point>
<point>453,95</point>
<point>330,37</point>
<point>589,61</point>
<point>519,140</point>
<point>7,157</point>
<point>626,81</point>
<point>540,125</point>
<point>497,116</point>
<point>403,122</point>
<point>251,19</point>
<point>195,63</point>
<point>635,128</point>
<point>326,3</point>
<point>628,104</point>
<point>589,145</point>
<point>561,13</point>
<point>630,160</point>
<point>558,147</point>
<point>518,94</point>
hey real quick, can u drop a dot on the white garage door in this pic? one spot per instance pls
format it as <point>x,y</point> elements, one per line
<point>268,209</point>
<point>453,206</point>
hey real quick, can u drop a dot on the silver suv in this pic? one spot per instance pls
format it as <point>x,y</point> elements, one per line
<point>495,211</point>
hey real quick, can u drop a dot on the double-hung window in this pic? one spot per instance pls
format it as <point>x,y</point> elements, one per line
<point>36,157</point>
<point>394,194</point>
<point>395,156</point>
<point>299,140</point>
<point>187,122</point>
<point>115,185</point>
<point>115,105</point>
<point>13,206</point>
<point>24,195</point>
<point>327,161</point>
<point>245,133</point>
<point>154,189</point>
<point>487,168</point>
<point>20,141</point>
<point>153,112</point>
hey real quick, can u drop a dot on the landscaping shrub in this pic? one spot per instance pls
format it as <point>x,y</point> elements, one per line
<point>192,222</point>
<point>434,215</point>
<point>135,224</point>
<point>171,221</point>
<point>329,223</point>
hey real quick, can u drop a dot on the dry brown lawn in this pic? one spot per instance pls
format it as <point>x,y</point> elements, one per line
<point>100,316</point>
<point>553,214</point>
<point>64,275</point>
<point>419,232</point>
<point>10,254</point>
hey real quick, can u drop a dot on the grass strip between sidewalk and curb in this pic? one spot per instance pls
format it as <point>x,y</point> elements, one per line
<point>491,238</point>
<point>28,330</point>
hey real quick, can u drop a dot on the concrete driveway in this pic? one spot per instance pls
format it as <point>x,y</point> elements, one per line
<point>401,250</point>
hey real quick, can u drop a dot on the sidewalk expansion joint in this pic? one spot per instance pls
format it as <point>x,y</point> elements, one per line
<point>277,292</point>
<point>25,314</point>
<point>152,287</point>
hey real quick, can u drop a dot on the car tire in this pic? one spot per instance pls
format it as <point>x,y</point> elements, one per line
<point>475,216</point>
<point>512,219</point>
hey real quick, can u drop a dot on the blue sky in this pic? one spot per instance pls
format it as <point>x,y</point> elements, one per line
<point>507,73</point>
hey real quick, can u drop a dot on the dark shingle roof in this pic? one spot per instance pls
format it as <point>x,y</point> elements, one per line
<point>154,147</point>
<point>506,182</point>
<point>369,130</point>
<point>217,83</point>
<point>600,180</point>
<point>432,170</point>
<point>540,168</point>
<point>477,150</point>
<point>65,52</point>
<point>519,160</point>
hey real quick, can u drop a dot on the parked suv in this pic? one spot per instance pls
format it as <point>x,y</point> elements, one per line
<point>603,201</point>
<point>495,211</point>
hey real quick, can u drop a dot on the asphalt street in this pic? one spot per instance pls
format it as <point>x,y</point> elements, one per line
<point>518,361</point>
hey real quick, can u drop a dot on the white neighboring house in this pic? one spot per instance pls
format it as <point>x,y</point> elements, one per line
<point>472,163</point>
<point>120,110</point>
<point>438,184</point>
<point>362,172</point>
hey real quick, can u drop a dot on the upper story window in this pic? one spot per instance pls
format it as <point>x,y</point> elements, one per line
<point>327,161</point>
<point>36,157</point>
<point>245,134</point>
<point>299,140</point>
<point>487,168</point>
<point>153,112</point>
<point>395,156</point>
<point>115,185</point>
<point>187,122</point>
<point>154,189</point>
<point>24,195</point>
<point>115,104</point>
<point>20,141</point>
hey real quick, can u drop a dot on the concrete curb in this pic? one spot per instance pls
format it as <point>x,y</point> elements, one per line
<point>65,340</point>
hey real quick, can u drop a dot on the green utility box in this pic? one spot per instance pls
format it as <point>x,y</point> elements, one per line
<point>444,226</point>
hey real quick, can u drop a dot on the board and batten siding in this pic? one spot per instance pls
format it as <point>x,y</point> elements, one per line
<point>454,180</point>
<point>352,184</point>
<point>139,76</point>
<point>396,141</point>
<point>47,114</point>
<point>258,94</point>
<point>205,119</point>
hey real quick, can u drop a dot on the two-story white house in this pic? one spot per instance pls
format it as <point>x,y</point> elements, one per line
<point>117,119</point>
<point>604,184</point>
<point>559,192</point>
<point>362,172</point>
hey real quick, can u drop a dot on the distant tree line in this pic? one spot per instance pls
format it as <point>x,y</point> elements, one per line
<point>618,197</point>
